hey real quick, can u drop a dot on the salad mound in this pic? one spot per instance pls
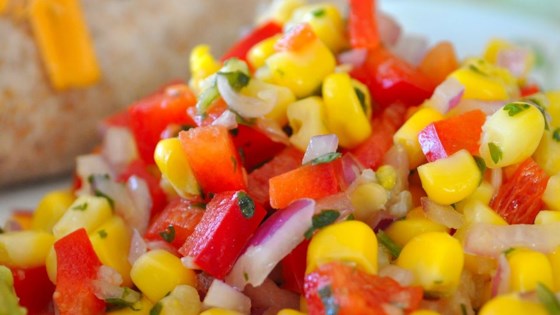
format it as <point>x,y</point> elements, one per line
<point>321,166</point>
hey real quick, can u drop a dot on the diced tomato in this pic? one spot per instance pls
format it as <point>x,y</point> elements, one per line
<point>241,48</point>
<point>33,287</point>
<point>230,219</point>
<point>142,170</point>
<point>306,181</point>
<point>152,115</point>
<point>362,24</point>
<point>76,267</point>
<point>371,152</point>
<point>445,137</point>
<point>391,79</point>
<point>119,119</point>
<point>530,89</point>
<point>439,62</point>
<point>285,161</point>
<point>213,158</point>
<point>336,288</point>
<point>182,216</point>
<point>255,147</point>
<point>519,198</point>
<point>293,268</point>
<point>20,219</point>
<point>296,38</point>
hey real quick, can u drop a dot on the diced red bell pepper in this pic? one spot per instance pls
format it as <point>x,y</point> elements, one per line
<point>242,47</point>
<point>445,137</point>
<point>306,181</point>
<point>230,219</point>
<point>362,24</point>
<point>439,62</point>
<point>213,158</point>
<point>285,161</point>
<point>391,79</point>
<point>150,116</point>
<point>371,152</point>
<point>182,216</point>
<point>142,170</point>
<point>530,89</point>
<point>519,198</point>
<point>293,268</point>
<point>34,289</point>
<point>296,38</point>
<point>76,267</point>
<point>255,147</point>
<point>336,288</point>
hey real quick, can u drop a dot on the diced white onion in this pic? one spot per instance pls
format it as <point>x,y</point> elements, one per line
<point>403,276</point>
<point>500,281</point>
<point>273,130</point>
<point>442,214</point>
<point>249,107</point>
<point>353,57</point>
<point>515,59</point>
<point>389,29</point>
<point>221,295</point>
<point>320,145</point>
<point>138,247</point>
<point>189,263</point>
<point>119,147</point>
<point>447,95</point>
<point>226,119</point>
<point>411,47</point>
<point>87,165</point>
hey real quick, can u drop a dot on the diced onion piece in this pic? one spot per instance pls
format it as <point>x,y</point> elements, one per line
<point>274,239</point>
<point>107,286</point>
<point>137,247</point>
<point>487,107</point>
<point>496,179</point>
<point>447,95</point>
<point>411,47</point>
<point>500,281</point>
<point>87,165</point>
<point>403,276</point>
<point>517,60</point>
<point>248,107</point>
<point>320,145</point>
<point>389,29</point>
<point>119,147</point>
<point>351,169</point>
<point>273,130</point>
<point>485,239</point>
<point>226,119</point>
<point>139,192</point>
<point>189,263</point>
<point>353,57</point>
<point>221,295</point>
<point>442,214</point>
<point>340,202</point>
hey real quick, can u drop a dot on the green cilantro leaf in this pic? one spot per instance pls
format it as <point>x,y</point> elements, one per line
<point>362,98</point>
<point>388,243</point>
<point>80,207</point>
<point>495,152</point>
<point>319,12</point>
<point>556,135</point>
<point>548,299</point>
<point>325,158</point>
<point>320,220</point>
<point>169,234</point>
<point>236,79</point>
<point>156,309</point>
<point>516,108</point>
<point>246,204</point>
<point>102,233</point>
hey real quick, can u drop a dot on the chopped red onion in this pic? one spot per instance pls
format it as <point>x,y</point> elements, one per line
<point>221,295</point>
<point>119,147</point>
<point>442,214</point>
<point>226,119</point>
<point>273,240</point>
<point>496,179</point>
<point>447,95</point>
<point>389,29</point>
<point>353,57</point>
<point>273,130</point>
<point>340,202</point>
<point>398,159</point>
<point>411,47</point>
<point>490,240</point>
<point>516,59</point>
<point>249,107</point>
<point>351,169</point>
<point>107,286</point>
<point>138,247</point>
<point>500,280</point>
<point>487,107</point>
<point>320,145</point>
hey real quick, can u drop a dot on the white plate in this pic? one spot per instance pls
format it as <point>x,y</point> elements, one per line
<point>468,24</point>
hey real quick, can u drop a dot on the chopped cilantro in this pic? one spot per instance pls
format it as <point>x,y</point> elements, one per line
<point>463,309</point>
<point>246,204</point>
<point>236,79</point>
<point>388,243</point>
<point>362,98</point>
<point>319,12</point>
<point>548,299</point>
<point>508,251</point>
<point>350,217</point>
<point>481,165</point>
<point>516,108</point>
<point>556,135</point>
<point>206,98</point>
<point>156,309</point>
<point>320,220</point>
<point>99,193</point>
<point>201,205</point>
<point>80,207</point>
<point>475,68</point>
<point>102,233</point>
<point>325,158</point>
<point>328,300</point>
<point>128,298</point>
<point>169,234</point>
<point>495,152</point>
<point>246,276</point>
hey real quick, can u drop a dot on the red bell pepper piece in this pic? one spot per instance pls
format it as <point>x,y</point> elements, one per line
<point>213,158</point>
<point>34,289</point>
<point>530,89</point>
<point>519,198</point>
<point>227,224</point>
<point>293,268</point>
<point>362,24</point>
<point>242,47</point>
<point>391,79</point>
<point>150,116</point>
<point>76,267</point>
<point>445,137</point>
<point>255,147</point>
<point>336,288</point>
<point>306,181</point>
<point>296,38</point>
<point>176,222</point>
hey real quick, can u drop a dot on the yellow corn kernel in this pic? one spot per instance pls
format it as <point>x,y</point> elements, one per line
<point>554,259</point>
<point>326,21</point>
<point>172,162</point>
<point>259,52</point>
<point>51,264</point>
<point>288,311</point>
<point>3,5</point>
<point>220,311</point>
<point>407,135</point>
<point>548,147</point>
<point>367,199</point>
<point>478,212</point>
<point>284,97</point>
<point>183,300</point>
<point>511,304</point>
<point>436,260</point>
<point>280,11</point>
<point>202,65</point>
<point>402,231</point>
<point>480,265</point>
<point>485,81</point>
<point>386,176</point>
<point>50,209</point>
<point>483,193</point>
<point>424,312</point>
<point>64,43</point>
<point>141,307</point>
<point>24,249</point>
<point>301,71</point>
<point>307,119</point>
<point>110,241</point>
<point>547,216</point>
<point>348,241</point>
<point>157,272</point>
<point>528,268</point>
<point>450,179</point>
<point>344,112</point>
<point>511,134</point>
<point>88,212</point>
<point>553,108</point>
